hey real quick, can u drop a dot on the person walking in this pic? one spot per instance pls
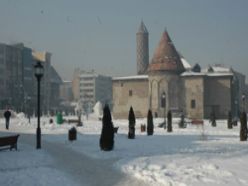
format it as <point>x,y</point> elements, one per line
<point>7,115</point>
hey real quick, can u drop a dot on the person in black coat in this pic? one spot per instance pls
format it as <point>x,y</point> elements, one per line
<point>7,115</point>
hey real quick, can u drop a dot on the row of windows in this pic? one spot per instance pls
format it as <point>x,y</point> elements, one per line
<point>192,104</point>
<point>86,78</point>
<point>86,84</point>
<point>86,90</point>
<point>86,96</point>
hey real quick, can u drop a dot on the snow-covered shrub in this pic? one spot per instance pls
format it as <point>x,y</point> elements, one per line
<point>181,123</point>
<point>213,119</point>
<point>131,120</point>
<point>169,119</point>
<point>98,110</point>
<point>229,120</point>
<point>150,125</point>
<point>243,127</point>
<point>107,134</point>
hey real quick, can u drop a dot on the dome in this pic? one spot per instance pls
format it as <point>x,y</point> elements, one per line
<point>166,57</point>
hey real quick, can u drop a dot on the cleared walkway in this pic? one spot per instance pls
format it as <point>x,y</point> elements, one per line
<point>83,169</point>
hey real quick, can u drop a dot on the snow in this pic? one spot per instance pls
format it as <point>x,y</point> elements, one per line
<point>30,167</point>
<point>98,109</point>
<point>131,77</point>
<point>195,156</point>
<point>185,63</point>
<point>219,68</point>
<point>218,74</point>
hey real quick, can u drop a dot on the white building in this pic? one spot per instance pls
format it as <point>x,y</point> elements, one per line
<point>93,88</point>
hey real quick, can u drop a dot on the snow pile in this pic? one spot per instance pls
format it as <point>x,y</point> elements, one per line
<point>28,167</point>
<point>180,158</point>
<point>98,110</point>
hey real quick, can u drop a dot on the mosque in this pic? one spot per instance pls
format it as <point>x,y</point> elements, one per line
<point>169,82</point>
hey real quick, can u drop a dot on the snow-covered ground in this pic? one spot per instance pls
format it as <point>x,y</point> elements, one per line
<point>194,156</point>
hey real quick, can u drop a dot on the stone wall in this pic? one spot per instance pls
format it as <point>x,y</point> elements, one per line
<point>193,96</point>
<point>217,96</point>
<point>127,93</point>
<point>170,84</point>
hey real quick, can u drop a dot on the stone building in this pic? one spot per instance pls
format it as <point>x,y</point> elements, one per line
<point>206,92</point>
<point>171,84</point>
<point>130,91</point>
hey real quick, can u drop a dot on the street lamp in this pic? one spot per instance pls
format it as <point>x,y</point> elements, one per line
<point>164,105</point>
<point>38,71</point>
<point>243,100</point>
<point>235,108</point>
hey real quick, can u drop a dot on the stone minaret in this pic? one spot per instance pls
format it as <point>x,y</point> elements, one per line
<point>142,39</point>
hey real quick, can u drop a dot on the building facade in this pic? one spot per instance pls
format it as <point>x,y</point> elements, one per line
<point>171,84</point>
<point>11,78</point>
<point>66,91</point>
<point>76,84</point>
<point>94,88</point>
<point>130,91</point>
<point>18,83</point>
<point>50,83</point>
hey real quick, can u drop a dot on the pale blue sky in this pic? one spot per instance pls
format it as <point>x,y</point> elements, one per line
<point>101,34</point>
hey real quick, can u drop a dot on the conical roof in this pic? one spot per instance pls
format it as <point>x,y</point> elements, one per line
<point>166,57</point>
<point>142,28</point>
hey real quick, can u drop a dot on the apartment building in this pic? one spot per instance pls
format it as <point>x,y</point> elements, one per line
<point>93,88</point>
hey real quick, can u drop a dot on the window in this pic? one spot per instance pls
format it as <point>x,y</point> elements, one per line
<point>130,93</point>
<point>193,103</point>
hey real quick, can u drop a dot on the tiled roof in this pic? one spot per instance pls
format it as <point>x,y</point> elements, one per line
<point>166,57</point>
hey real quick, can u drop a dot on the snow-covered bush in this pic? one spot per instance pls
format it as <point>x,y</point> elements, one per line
<point>243,127</point>
<point>131,120</point>
<point>150,126</point>
<point>181,123</point>
<point>107,134</point>
<point>213,119</point>
<point>98,110</point>
<point>229,121</point>
<point>169,118</point>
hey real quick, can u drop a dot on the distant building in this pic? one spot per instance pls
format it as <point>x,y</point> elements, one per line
<point>95,87</point>
<point>50,83</point>
<point>28,80</point>
<point>18,85</point>
<point>55,82</point>
<point>172,84</point>
<point>76,84</point>
<point>66,91</point>
<point>11,76</point>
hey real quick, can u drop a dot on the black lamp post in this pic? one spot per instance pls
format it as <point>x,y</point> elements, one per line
<point>39,71</point>
<point>164,105</point>
<point>243,100</point>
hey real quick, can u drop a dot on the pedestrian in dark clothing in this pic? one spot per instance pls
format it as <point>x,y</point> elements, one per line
<point>7,115</point>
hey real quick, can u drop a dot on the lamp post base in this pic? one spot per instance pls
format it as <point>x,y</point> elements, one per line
<point>38,135</point>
